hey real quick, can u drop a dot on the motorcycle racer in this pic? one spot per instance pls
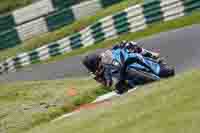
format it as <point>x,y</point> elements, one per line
<point>114,63</point>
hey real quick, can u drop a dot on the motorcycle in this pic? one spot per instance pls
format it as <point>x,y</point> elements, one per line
<point>126,71</point>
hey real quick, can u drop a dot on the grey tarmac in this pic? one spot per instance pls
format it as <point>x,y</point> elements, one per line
<point>181,47</point>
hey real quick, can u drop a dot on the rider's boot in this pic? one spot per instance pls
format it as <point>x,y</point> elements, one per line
<point>121,87</point>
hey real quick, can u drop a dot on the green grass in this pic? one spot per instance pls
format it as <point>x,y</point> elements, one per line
<point>169,106</point>
<point>10,5</point>
<point>65,31</point>
<point>26,104</point>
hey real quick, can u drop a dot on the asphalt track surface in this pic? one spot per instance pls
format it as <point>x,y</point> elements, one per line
<point>181,47</point>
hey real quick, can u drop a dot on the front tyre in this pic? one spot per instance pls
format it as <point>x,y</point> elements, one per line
<point>166,71</point>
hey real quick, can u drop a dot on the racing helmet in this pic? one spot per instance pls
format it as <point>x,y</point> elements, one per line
<point>91,62</point>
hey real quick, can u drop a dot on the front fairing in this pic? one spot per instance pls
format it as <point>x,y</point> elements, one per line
<point>121,55</point>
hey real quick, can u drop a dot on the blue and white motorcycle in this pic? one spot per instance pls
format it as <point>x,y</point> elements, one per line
<point>127,69</point>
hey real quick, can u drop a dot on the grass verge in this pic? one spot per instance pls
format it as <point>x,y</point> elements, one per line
<point>10,5</point>
<point>27,104</point>
<point>171,105</point>
<point>65,31</point>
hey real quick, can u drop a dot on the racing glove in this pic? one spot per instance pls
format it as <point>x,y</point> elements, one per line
<point>150,54</point>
